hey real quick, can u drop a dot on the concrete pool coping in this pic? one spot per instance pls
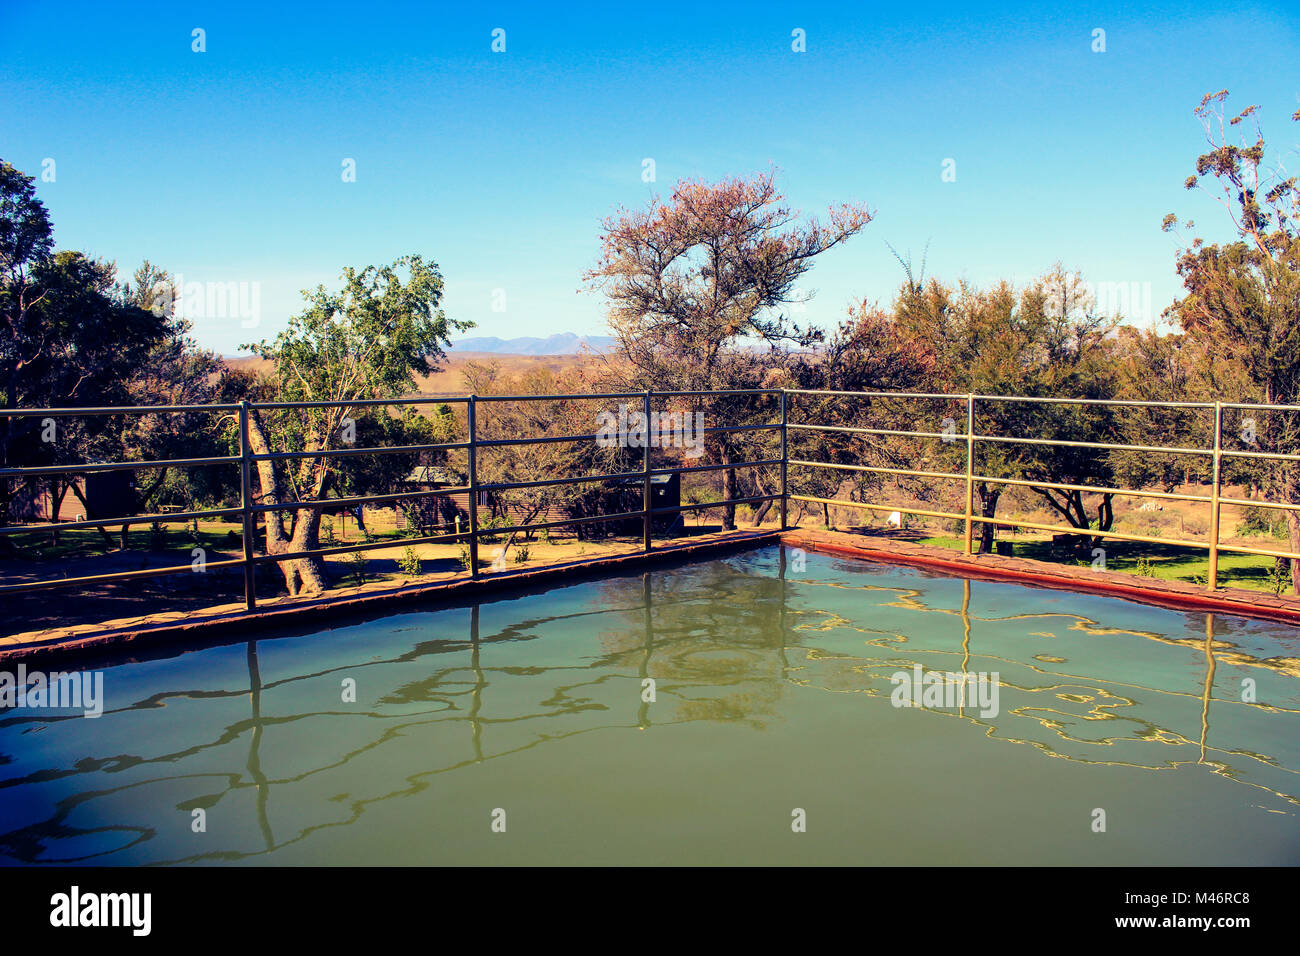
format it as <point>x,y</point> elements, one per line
<point>152,631</point>
<point>1173,595</point>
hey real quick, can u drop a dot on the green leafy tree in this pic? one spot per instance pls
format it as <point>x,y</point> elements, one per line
<point>366,341</point>
<point>67,337</point>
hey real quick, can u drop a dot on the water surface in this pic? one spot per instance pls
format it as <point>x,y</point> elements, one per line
<point>773,694</point>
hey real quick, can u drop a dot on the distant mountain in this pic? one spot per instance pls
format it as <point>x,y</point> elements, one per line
<point>562,343</point>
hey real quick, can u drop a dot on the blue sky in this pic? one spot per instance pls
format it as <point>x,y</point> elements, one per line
<point>225,166</point>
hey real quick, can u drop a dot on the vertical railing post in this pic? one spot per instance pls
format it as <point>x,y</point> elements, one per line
<point>785,460</point>
<point>471,415</point>
<point>645,488</point>
<point>245,506</point>
<point>1212,578</point>
<point>970,468</point>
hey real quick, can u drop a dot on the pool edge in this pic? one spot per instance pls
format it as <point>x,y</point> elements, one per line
<point>1171,595</point>
<point>151,635</point>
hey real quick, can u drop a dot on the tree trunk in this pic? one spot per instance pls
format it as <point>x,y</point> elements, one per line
<point>304,575</point>
<point>764,507</point>
<point>80,496</point>
<point>728,493</point>
<point>1105,520</point>
<point>58,491</point>
<point>143,504</point>
<point>988,509</point>
<point>301,575</point>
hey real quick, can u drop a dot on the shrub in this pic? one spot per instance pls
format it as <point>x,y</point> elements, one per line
<point>1261,521</point>
<point>464,556</point>
<point>521,553</point>
<point>1279,578</point>
<point>357,562</point>
<point>410,563</point>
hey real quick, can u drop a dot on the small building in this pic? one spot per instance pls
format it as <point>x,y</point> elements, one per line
<point>107,494</point>
<point>434,514</point>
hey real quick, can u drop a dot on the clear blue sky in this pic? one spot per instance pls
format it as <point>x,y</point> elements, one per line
<point>225,165</point>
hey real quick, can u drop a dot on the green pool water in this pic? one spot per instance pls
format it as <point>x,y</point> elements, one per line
<point>517,731</point>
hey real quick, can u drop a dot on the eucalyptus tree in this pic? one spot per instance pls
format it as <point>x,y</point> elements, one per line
<point>1242,302</point>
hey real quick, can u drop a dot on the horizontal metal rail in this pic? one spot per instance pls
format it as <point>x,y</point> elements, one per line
<point>93,412</point>
<point>1133,403</point>
<point>333,504</point>
<point>1091,533</point>
<point>1092,489</point>
<point>866,506</point>
<point>115,576</point>
<point>358,403</point>
<point>595,397</point>
<point>532,440</point>
<point>1250,406</point>
<point>345,452</point>
<point>856,430</point>
<point>373,544</point>
<point>560,523</point>
<point>716,391</point>
<point>827,391</point>
<point>548,482</point>
<point>708,505</point>
<point>1112,446</point>
<point>1266,455</point>
<point>1251,502</point>
<point>85,468</point>
<point>726,466</point>
<point>165,518</point>
<point>878,470</point>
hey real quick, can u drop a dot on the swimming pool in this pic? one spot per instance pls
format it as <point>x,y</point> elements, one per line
<point>743,710</point>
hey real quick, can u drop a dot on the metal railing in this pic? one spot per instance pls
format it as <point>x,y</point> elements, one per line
<point>1216,454</point>
<point>249,507</point>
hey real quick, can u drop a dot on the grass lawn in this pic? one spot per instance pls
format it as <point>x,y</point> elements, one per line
<point>86,542</point>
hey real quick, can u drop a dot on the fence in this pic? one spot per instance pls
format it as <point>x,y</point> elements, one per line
<point>249,509</point>
<point>1216,454</point>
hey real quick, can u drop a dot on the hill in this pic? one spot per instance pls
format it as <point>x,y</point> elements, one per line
<point>562,343</point>
<point>447,380</point>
